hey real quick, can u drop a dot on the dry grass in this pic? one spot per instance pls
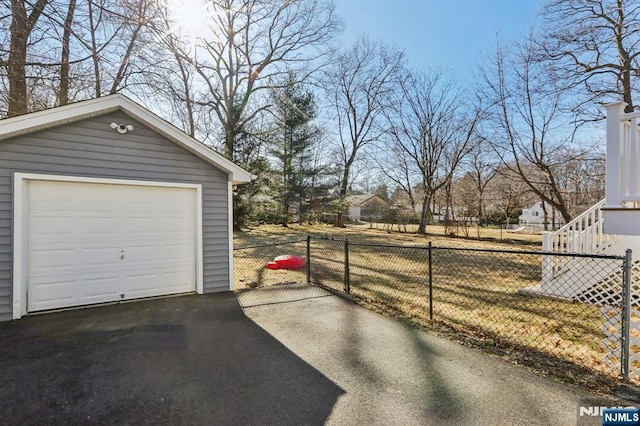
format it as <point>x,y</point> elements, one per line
<point>490,238</point>
<point>475,293</point>
<point>471,232</point>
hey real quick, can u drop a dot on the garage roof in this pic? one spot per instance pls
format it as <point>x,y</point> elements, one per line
<point>37,121</point>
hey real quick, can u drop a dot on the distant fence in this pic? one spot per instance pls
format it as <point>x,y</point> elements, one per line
<point>539,226</point>
<point>493,296</point>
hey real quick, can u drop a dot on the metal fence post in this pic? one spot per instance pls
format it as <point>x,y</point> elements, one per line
<point>547,260</point>
<point>626,314</point>
<point>430,283</point>
<point>309,259</point>
<point>347,283</point>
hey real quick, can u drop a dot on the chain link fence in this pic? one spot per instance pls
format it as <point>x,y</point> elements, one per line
<point>570,317</point>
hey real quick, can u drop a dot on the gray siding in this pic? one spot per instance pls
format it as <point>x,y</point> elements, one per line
<point>92,148</point>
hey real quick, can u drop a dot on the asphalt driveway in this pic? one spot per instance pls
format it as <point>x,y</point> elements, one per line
<point>194,360</point>
<point>293,357</point>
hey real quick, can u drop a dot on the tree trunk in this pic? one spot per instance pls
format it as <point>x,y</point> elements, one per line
<point>344,184</point>
<point>94,51</point>
<point>480,206</point>
<point>20,29</point>
<point>124,64</point>
<point>424,216</point>
<point>286,177</point>
<point>545,215</point>
<point>625,60</point>
<point>63,94</point>
<point>16,63</point>
<point>187,95</point>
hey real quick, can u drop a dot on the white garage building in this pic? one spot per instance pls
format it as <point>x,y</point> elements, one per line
<point>103,201</point>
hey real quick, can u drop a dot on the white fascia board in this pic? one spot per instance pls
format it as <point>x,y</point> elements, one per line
<point>36,121</point>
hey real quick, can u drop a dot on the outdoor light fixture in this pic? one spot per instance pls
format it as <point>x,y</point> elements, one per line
<point>121,128</point>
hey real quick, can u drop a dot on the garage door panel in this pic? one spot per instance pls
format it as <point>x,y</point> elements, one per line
<point>139,225</point>
<point>180,277</point>
<point>140,291</point>
<point>143,255</point>
<point>178,281</point>
<point>51,196</point>
<point>101,256</point>
<point>45,260</point>
<point>138,284</point>
<point>58,226</point>
<point>106,196</point>
<point>179,225</point>
<point>91,243</point>
<point>56,291</point>
<point>178,252</point>
<point>53,295</point>
<point>102,285</point>
<point>179,200</point>
<point>141,201</point>
<point>96,226</point>
<point>51,257</point>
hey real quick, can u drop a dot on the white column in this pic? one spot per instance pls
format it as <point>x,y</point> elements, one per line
<point>632,163</point>
<point>614,155</point>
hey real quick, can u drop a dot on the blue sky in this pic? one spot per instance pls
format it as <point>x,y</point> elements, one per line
<point>451,34</point>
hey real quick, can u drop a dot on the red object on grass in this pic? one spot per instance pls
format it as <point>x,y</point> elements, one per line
<point>287,261</point>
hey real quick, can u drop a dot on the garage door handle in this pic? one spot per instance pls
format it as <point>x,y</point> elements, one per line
<point>121,254</point>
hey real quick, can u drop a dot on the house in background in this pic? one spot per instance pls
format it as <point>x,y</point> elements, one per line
<point>533,218</point>
<point>102,201</point>
<point>366,207</point>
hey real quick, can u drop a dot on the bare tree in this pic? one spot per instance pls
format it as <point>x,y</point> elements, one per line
<point>172,78</point>
<point>136,20</point>
<point>527,128</point>
<point>94,23</point>
<point>64,50</point>
<point>24,17</point>
<point>581,172</point>
<point>360,85</point>
<point>596,44</point>
<point>63,93</point>
<point>507,194</point>
<point>466,197</point>
<point>399,169</point>
<point>434,129</point>
<point>482,167</point>
<point>248,47</point>
<point>113,35</point>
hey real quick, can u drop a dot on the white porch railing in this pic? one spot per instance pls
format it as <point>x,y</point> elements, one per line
<point>584,234</point>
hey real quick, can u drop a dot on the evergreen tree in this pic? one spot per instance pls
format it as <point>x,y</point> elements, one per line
<point>293,142</point>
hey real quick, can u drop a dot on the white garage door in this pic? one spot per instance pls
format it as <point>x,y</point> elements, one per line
<point>92,242</point>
